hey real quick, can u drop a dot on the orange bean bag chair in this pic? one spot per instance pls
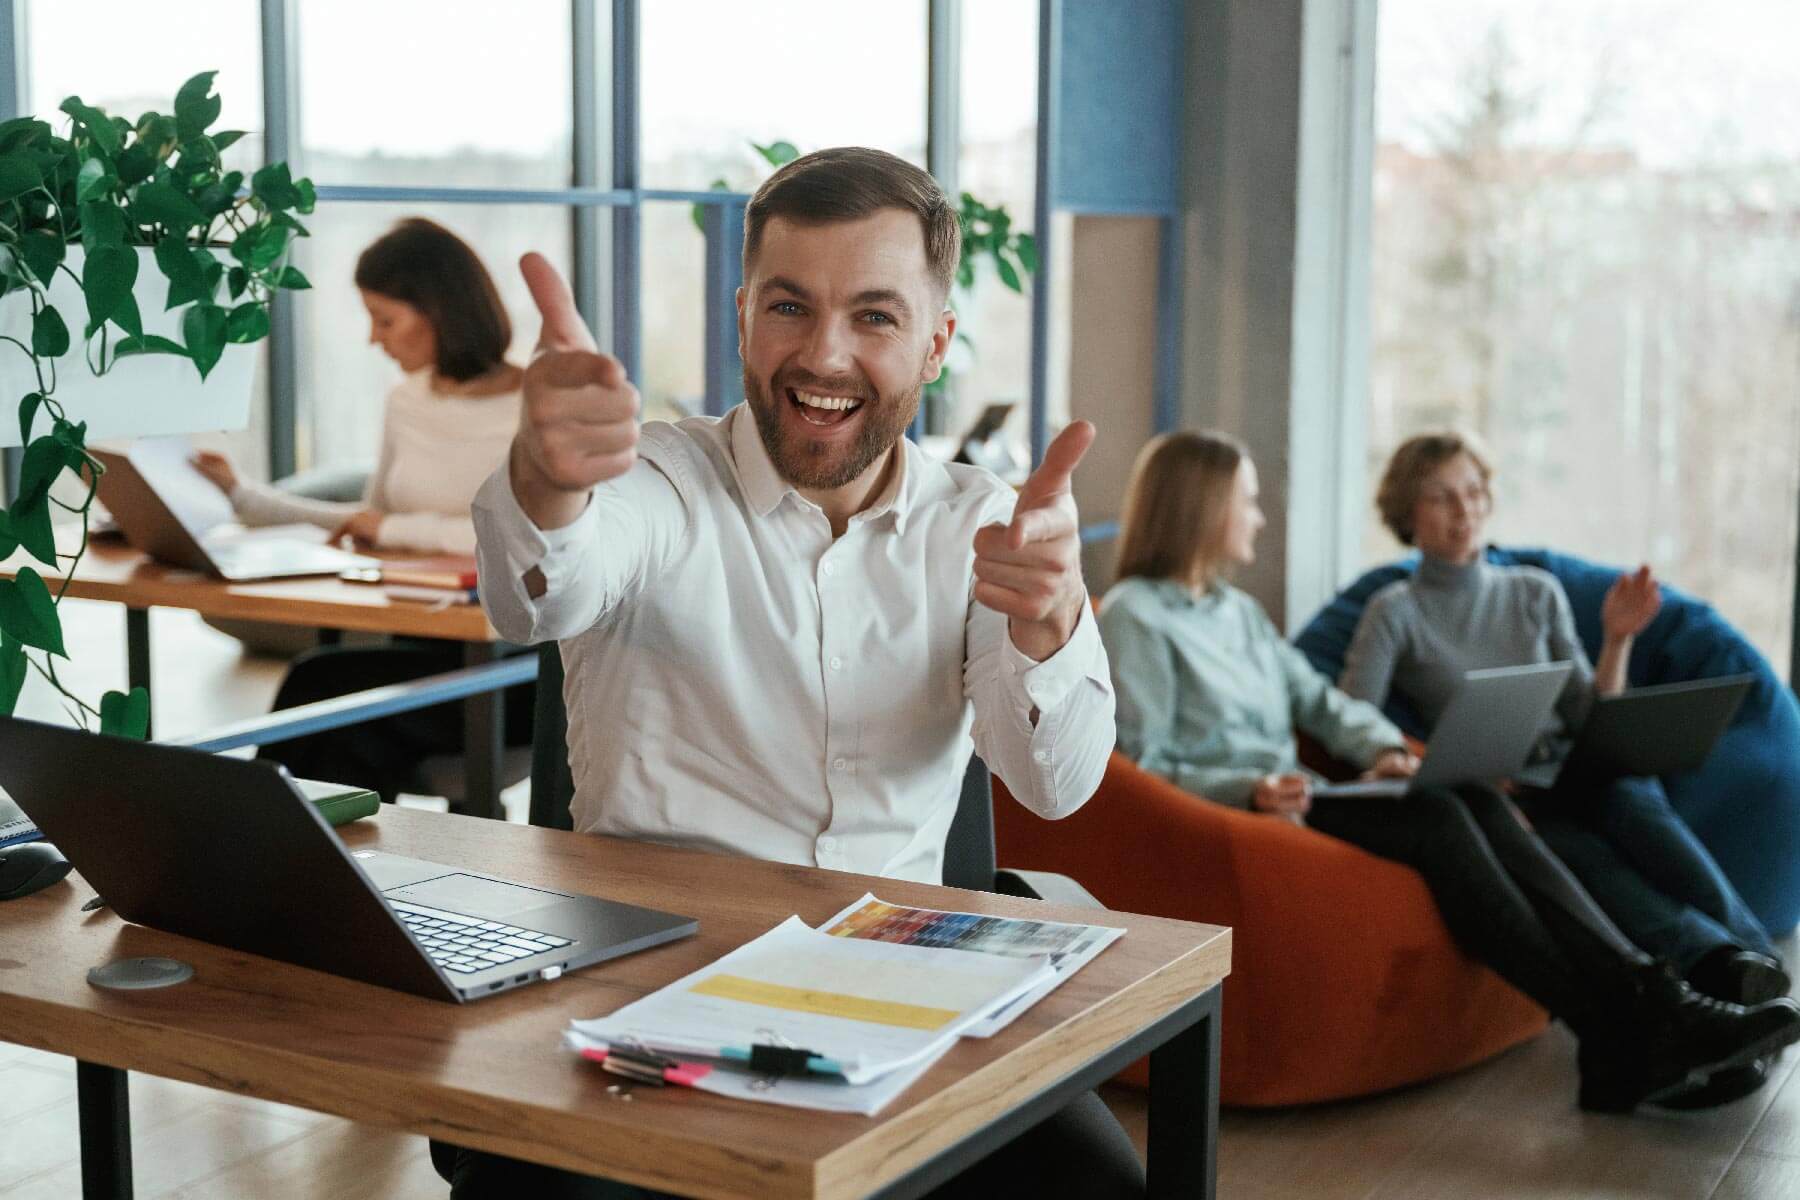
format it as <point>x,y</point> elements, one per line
<point>1343,980</point>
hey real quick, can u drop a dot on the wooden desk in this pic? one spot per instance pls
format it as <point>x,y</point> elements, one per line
<point>493,1074</point>
<point>111,570</point>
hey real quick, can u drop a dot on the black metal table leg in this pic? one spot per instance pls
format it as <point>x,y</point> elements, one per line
<point>484,741</point>
<point>1183,1150</point>
<point>102,1101</point>
<point>137,650</point>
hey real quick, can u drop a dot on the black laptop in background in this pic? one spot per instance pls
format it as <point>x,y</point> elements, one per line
<point>229,851</point>
<point>1654,730</point>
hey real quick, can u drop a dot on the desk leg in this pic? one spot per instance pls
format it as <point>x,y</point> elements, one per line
<point>105,1115</point>
<point>137,650</point>
<point>1184,1111</point>
<point>484,741</point>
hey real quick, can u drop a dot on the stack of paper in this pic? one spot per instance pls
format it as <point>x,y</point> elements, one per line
<point>880,994</point>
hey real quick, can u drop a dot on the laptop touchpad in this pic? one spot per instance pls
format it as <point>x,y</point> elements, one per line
<point>474,896</point>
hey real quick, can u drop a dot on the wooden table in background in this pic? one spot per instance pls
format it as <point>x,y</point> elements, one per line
<point>114,571</point>
<point>493,1074</point>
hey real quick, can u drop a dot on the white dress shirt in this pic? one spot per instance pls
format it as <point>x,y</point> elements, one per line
<point>740,681</point>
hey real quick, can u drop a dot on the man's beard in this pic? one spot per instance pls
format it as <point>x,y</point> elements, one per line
<point>806,463</point>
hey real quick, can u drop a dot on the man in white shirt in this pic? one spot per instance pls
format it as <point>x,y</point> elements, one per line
<point>785,629</point>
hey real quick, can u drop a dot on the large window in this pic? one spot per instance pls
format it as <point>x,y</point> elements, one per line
<point>1587,250</point>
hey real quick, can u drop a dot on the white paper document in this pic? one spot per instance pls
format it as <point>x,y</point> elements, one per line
<point>870,1007</point>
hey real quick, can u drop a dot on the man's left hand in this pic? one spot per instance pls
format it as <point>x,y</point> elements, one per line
<point>1030,570</point>
<point>362,528</point>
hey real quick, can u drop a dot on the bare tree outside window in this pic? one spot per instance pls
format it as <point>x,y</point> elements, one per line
<point>1587,249</point>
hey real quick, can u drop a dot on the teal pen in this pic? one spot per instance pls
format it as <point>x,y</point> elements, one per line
<point>781,1060</point>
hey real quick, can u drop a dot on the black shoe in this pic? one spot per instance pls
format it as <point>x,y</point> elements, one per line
<point>1721,1087</point>
<point>1740,976</point>
<point>1671,1038</point>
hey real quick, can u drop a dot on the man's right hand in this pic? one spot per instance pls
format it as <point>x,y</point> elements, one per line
<point>1289,795</point>
<point>578,425</point>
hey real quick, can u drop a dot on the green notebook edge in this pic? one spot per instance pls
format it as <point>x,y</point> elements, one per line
<point>340,803</point>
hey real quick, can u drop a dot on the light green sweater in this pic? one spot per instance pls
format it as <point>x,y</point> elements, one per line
<point>1210,694</point>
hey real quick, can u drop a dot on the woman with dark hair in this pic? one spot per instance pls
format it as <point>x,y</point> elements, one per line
<point>434,310</point>
<point>1210,696</point>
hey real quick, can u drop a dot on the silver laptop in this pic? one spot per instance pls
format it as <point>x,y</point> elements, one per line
<point>1487,733</point>
<point>170,511</point>
<point>229,851</point>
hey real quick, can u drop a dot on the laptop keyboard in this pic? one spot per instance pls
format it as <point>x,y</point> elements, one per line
<point>464,945</point>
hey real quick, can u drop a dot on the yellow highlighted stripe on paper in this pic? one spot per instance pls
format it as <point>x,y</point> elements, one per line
<point>828,1004</point>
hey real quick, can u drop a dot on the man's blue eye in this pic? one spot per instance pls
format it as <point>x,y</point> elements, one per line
<point>786,307</point>
<point>879,317</point>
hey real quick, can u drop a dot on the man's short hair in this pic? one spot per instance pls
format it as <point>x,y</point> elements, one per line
<point>847,183</point>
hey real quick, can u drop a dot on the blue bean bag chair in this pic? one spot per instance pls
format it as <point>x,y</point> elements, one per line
<point>1745,802</point>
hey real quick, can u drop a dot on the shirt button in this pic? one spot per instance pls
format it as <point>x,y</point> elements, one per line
<point>836,662</point>
<point>1042,756</point>
<point>828,570</point>
<point>827,844</point>
<point>838,764</point>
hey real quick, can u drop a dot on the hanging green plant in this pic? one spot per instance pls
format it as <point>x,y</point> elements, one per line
<point>94,205</point>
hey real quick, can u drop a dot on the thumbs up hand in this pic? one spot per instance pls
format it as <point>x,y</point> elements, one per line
<point>1030,569</point>
<point>578,424</point>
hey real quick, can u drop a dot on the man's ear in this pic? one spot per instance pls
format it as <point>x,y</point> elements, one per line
<point>740,323</point>
<point>941,338</point>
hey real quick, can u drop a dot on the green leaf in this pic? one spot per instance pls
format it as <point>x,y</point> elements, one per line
<point>274,186</point>
<point>29,614</point>
<point>135,164</point>
<point>126,714</point>
<point>261,246</point>
<point>101,225</point>
<point>127,316</point>
<point>42,462</point>
<point>98,125</point>
<point>225,139</point>
<point>21,132</point>
<point>247,323</point>
<point>93,180</point>
<point>12,674</point>
<point>185,272</point>
<point>149,343</point>
<point>195,107</point>
<point>292,279</point>
<point>777,154</point>
<point>163,204</point>
<point>1008,276</point>
<point>1025,246</point>
<point>203,329</point>
<point>41,250</point>
<point>31,528</point>
<point>28,408</point>
<point>308,195</point>
<point>106,280</point>
<point>49,336</point>
<point>18,175</point>
<point>236,280</point>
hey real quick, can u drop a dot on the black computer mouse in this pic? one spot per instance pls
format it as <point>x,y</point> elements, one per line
<point>29,866</point>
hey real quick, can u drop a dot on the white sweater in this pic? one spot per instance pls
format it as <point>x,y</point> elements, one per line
<point>435,452</point>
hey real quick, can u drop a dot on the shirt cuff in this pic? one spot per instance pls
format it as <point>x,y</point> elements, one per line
<point>1046,684</point>
<point>552,551</point>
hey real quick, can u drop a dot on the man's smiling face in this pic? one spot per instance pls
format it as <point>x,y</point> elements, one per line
<point>840,326</point>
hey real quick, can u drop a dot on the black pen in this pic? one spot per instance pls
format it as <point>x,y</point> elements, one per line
<point>94,905</point>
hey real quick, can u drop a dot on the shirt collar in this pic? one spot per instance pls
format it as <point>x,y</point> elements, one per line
<point>765,489</point>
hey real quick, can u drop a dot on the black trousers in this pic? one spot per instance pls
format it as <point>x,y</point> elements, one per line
<point>1080,1150</point>
<point>1506,898</point>
<point>382,755</point>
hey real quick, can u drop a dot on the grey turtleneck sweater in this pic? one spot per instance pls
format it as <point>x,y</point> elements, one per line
<point>1419,636</point>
